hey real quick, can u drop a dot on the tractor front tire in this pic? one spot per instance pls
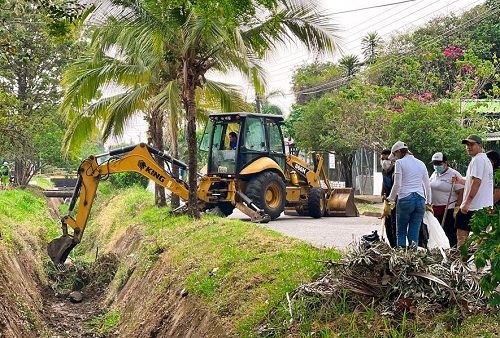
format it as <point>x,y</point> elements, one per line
<point>316,203</point>
<point>267,190</point>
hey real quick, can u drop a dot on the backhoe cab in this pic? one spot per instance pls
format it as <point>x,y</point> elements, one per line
<point>247,168</point>
<point>261,170</point>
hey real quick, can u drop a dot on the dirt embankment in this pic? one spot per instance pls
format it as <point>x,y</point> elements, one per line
<point>153,302</point>
<point>24,221</point>
<point>20,297</point>
<point>149,302</point>
<point>156,275</point>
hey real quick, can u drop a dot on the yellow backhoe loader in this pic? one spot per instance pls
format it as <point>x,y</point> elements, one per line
<point>247,168</point>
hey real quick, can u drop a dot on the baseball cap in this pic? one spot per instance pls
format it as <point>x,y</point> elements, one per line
<point>473,139</point>
<point>398,146</point>
<point>439,157</point>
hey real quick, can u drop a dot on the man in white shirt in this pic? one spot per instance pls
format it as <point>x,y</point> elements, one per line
<point>412,189</point>
<point>478,192</point>
<point>445,195</point>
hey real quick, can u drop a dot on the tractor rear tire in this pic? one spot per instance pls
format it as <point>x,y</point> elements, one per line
<point>316,203</point>
<point>267,190</point>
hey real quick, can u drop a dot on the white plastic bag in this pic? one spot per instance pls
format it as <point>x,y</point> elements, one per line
<point>437,237</point>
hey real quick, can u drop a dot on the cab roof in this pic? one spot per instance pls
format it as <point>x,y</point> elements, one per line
<point>247,114</point>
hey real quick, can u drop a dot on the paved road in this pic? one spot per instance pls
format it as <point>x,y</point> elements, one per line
<point>336,232</point>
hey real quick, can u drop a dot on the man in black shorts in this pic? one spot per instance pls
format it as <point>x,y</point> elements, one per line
<point>478,192</point>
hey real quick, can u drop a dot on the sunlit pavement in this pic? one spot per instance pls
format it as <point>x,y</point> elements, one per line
<point>336,232</point>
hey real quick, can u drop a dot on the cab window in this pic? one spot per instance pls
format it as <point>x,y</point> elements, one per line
<point>255,135</point>
<point>224,144</point>
<point>275,139</point>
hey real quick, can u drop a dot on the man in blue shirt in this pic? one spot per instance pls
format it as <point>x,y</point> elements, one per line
<point>233,140</point>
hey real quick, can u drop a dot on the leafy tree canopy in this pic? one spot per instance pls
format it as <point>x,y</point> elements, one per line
<point>31,64</point>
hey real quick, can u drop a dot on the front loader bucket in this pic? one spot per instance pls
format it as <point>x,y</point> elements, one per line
<point>341,203</point>
<point>59,249</point>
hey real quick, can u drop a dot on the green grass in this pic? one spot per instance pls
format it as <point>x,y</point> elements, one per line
<point>367,207</point>
<point>23,214</point>
<point>105,323</point>
<point>239,270</point>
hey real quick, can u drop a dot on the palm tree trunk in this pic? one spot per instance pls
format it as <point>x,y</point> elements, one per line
<point>156,133</point>
<point>188,100</point>
<point>174,149</point>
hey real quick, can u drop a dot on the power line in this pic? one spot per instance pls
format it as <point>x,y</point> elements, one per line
<point>394,15</point>
<point>396,29</point>
<point>347,43</point>
<point>317,89</point>
<point>371,7</point>
<point>416,19</point>
<point>294,57</point>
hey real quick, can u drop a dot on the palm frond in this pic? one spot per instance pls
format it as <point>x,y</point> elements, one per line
<point>123,108</point>
<point>227,96</point>
<point>295,19</point>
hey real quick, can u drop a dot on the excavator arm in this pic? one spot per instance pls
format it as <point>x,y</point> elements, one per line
<point>138,158</point>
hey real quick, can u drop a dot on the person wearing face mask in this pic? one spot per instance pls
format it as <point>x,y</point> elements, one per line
<point>412,189</point>
<point>387,172</point>
<point>387,183</point>
<point>445,195</point>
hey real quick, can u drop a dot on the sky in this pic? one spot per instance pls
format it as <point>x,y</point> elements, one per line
<point>352,26</point>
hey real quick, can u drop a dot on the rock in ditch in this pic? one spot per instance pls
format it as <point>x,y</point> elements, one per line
<point>75,297</point>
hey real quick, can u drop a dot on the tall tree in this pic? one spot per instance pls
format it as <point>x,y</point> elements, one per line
<point>214,35</point>
<point>147,80</point>
<point>31,63</point>
<point>343,121</point>
<point>370,45</point>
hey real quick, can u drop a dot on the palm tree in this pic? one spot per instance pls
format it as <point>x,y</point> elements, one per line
<point>149,85</point>
<point>370,45</point>
<point>351,65</point>
<point>197,37</point>
<point>201,40</point>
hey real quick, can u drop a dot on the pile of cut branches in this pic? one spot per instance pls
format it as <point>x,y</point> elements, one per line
<point>399,279</point>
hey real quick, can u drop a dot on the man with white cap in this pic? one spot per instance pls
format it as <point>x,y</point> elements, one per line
<point>445,195</point>
<point>412,189</point>
<point>478,192</point>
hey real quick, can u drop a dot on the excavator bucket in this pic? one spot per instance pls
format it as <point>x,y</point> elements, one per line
<point>341,203</point>
<point>59,249</point>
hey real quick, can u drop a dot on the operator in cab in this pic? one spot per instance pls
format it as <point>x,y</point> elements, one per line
<point>233,140</point>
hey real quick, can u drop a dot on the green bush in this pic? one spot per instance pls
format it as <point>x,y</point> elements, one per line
<point>126,180</point>
<point>486,237</point>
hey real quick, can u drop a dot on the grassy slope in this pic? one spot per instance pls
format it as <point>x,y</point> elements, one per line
<point>25,228</point>
<point>23,212</point>
<point>242,271</point>
<point>239,270</point>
